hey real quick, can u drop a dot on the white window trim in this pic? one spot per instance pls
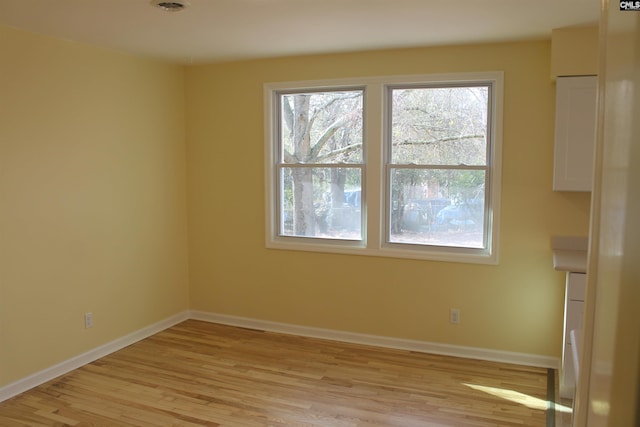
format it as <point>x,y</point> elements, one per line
<point>373,227</point>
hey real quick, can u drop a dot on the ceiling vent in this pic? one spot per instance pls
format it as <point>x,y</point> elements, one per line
<point>170,6</point>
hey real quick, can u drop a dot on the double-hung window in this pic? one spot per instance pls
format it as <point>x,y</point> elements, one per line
<point>320,164</point>
<point>399,166</point>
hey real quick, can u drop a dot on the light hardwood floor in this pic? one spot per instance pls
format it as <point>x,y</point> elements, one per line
<point>203,374</point>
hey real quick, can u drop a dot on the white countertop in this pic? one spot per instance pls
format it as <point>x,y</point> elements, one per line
<point>570,254</point>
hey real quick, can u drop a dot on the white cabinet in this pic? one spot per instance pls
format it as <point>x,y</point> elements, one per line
<point>575,133</point>
<point>573,312</point>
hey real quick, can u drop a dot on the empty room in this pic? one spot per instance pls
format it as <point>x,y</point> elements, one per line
<point>318,213</point>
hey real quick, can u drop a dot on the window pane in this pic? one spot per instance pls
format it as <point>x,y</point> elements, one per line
<point>441,207</point>
<point>321,127</point>
<point>321,202</point>
<point>439,125</point>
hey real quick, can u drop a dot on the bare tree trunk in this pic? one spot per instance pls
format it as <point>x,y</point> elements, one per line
<point>397,212</point>
<point>304,221</point>
<point>338,179</point>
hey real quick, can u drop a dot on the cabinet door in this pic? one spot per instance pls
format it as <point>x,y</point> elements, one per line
<point>568,370</point>
<point>576,286</point>
<point>575,133</point>
<point>573,319</point>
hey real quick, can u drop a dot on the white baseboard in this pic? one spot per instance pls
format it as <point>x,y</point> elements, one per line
<point>381,341</point>
<point>48,374</point>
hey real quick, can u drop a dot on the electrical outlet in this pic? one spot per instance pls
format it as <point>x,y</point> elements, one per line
<point>454,315</point>
<point>88,320</point>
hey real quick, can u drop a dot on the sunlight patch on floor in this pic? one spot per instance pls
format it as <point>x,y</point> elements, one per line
<point>517,397</point>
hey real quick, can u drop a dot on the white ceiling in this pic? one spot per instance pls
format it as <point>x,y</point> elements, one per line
<point>224,30</point>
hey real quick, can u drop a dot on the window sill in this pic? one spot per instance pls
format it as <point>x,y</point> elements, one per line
<point>438,254</point>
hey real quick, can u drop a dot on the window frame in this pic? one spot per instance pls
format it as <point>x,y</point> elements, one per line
<point>375,186</point>
<point>389,166</point>
<point>279,166</point>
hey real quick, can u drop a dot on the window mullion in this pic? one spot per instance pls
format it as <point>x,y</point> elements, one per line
<point>373,210</point>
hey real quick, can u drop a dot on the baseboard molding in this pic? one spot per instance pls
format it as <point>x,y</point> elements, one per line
<point>62,368</point>
<point>381,341</point>
<point>48,374</point>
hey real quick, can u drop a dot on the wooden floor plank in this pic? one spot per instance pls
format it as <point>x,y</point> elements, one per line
<point>204,374</point>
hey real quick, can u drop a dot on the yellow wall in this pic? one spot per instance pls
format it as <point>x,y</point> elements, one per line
<point>574,51</point>
<point>515,306</point>
<point>97,182</point>
<point>92,198</point>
